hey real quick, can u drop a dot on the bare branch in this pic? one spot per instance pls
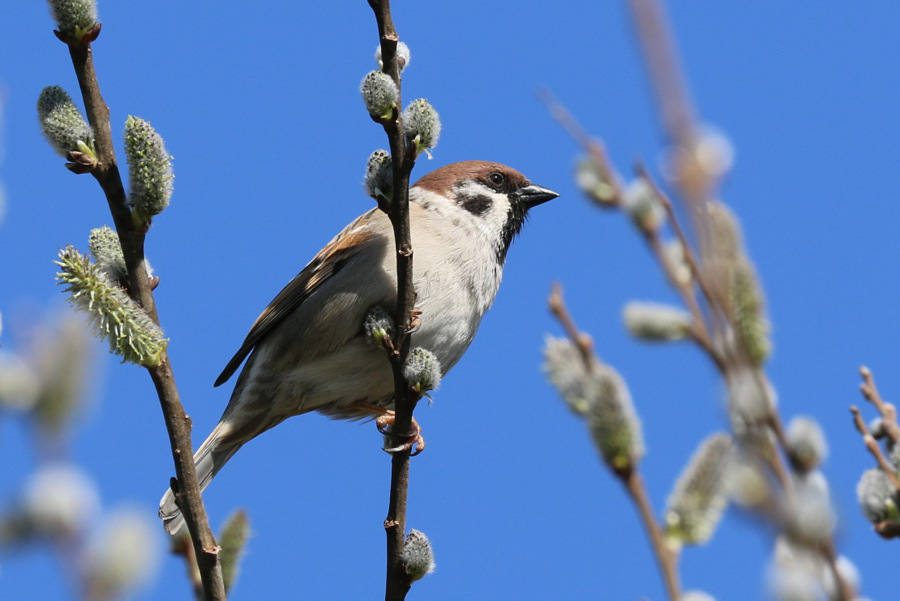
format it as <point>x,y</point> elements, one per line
<point>666,556</point>
<point>397,580</point>
<point>140,289</point>
<point>582,341</point>
<point>887,410</point>
<point>874,448</point>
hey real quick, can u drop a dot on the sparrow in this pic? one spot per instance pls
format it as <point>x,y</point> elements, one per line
<point>308,352</point>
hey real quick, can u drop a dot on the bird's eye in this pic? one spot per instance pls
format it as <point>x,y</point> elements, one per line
<point>497,178</point>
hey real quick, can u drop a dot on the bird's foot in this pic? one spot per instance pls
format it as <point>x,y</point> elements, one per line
<point>415,442</point>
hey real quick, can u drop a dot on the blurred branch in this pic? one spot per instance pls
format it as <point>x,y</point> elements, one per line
<point>661,57</point>
<point>874,448</point>
<point>666,557</point>
<point>887,410</point>
<point>397,580</point>
<point>731,326</point>
<point>178,424</point>
<point>582,340</point>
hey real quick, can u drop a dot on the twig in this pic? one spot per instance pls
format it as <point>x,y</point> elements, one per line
<point>887,410</point>
<point>397,580</point>
<point>593,147</point>
<point>844,590</point>
<point>874,448</point>
<point>182,546</point>
<point>177,422</point>
<point>581,340</point>
<point>665,74</point>
<point>666,557</point>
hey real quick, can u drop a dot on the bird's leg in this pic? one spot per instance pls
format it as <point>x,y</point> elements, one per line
<point>384,421</point>
<point>415,321</point>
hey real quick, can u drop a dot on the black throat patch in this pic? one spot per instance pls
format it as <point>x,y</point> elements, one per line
<point>515,219</point>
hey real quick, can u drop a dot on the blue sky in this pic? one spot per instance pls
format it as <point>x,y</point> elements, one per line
<point>261,111</point>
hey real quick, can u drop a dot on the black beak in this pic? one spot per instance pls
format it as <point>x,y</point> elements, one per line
<point>532,196</point>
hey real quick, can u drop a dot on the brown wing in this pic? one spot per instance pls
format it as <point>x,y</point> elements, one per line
<point>328,262</point>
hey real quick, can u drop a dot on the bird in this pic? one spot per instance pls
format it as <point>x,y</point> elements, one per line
<point>308,352</point>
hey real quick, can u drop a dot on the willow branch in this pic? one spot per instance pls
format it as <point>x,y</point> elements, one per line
<point>666,557</point>
<point>887,410</point>
<point>397,582</point>
<point>874,448</point>
<point>665,73</point>
<point>582,341</point>
<point>178,424</point>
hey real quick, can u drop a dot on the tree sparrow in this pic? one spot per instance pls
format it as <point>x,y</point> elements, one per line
<point>308,352</point>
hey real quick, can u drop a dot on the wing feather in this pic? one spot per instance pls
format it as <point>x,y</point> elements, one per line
<point>326,264</point>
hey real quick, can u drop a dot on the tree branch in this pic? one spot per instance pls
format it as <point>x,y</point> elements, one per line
<point>887,410</point>
<point>177,422</point>
<point>666,557</point>
<point>397,580</point>
<point>873,447</point>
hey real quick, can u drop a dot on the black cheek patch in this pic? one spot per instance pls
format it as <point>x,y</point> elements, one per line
<point>477,204</point>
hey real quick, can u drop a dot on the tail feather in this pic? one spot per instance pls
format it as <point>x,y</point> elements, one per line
<point>208,460</point>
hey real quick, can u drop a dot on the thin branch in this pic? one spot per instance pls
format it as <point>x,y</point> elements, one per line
<point>844,589</point>
<point>582,341</point>
<point>397,580</point>
<point>665,73</point>
<point>887,410</point>
<point>874,448</point>
<point>666,557</point>
<point>593,147</point>
<point>177,422</point>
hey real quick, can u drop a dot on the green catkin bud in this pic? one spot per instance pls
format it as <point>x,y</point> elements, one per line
<point>62,359</point>
<point>726,239</point>
<point>123,558</point>
<point>877,497</point>
<point>594,184</point>
<point>62,123</point>
<point>403,56</point>
<point>613,422</point>
<point>233,541</point>
<point>676,262</point>
<point>58,500</point>
<point>74,18</point>
<point>422,370</point>
<point>378,326</point>
<point>379,182</point>
<point>421,126</point>
<point>749,484</point>
<point>113,315</point>
<point>566,371</point>
<point>107,250</point>
<point>600,396</point>
<point>380,94</point>
<point>748,312</point>
<point>809,518</point>
<point>655,322</point>
<point>806,445</point>
<point>149,169</point>
<point>696,504</point>
<point>417,555</point>
<point>643,205</point>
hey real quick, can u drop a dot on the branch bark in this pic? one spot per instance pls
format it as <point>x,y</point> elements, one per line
<point>178,424</point>
<point>397,582</point>
<point>665,556</point>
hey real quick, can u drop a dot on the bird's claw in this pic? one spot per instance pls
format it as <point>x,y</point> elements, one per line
<point>415,442</point>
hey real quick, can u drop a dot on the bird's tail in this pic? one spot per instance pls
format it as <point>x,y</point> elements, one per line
<point>208,460</point>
